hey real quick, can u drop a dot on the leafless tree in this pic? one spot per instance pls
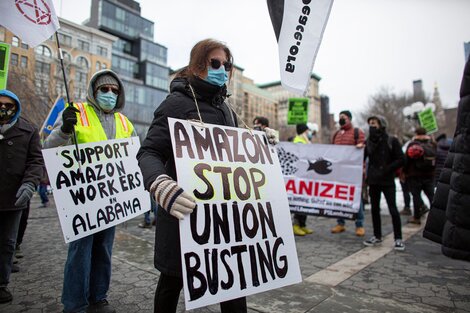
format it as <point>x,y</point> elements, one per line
<point>390,105</point>
<point>35,104</point>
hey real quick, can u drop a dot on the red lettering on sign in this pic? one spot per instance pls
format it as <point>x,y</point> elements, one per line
<point>327,188</point>
<point>341,192</point>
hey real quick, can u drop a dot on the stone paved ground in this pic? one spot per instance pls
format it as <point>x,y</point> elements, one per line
<point>419,279</point>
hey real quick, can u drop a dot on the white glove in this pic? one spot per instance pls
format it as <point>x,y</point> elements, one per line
<point>172,197</point>
<point>272,135</point>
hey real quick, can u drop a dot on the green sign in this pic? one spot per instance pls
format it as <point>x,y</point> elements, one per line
<point>427,120</point>
<point>298,111</point>
<point>4,60</point>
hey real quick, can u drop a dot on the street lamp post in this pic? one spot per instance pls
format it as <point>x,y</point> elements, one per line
<point>411,112</point>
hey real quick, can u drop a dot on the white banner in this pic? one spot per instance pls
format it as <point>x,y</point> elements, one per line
<point>322,179</point>
<point>299,27</point>
<point>105,190</point>
<point>34,21</point>
<point>239,239</point>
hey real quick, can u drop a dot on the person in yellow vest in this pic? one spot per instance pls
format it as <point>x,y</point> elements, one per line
<point>87,271</point>
<point>304,135</point>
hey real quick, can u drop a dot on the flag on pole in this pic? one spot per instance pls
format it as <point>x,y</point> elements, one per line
<point>33,21</point>
<point>299,27</point>
<point>56,109</point>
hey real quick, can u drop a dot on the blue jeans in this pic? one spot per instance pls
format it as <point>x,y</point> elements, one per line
<point>359,217</point>
<point>87,271</point>
<point>43,193</point>
<point>153,209</point>
<point>9,224</point>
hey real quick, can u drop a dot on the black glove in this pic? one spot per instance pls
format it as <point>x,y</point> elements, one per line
<point>69,119</point>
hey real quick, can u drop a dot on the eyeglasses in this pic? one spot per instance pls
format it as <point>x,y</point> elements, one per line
<point>215,64</point>
<point>105,89</point>
<point>7,105</point>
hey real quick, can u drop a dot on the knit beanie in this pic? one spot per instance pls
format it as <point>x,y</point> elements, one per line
<point>346,112</point>
<point>105,79</point>
<point>301,128</point>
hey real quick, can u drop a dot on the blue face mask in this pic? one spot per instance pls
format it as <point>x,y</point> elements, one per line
<point>106,100</point>
<point>216,77</point>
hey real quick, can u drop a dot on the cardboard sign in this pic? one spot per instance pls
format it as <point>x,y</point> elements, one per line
<point>428,121</point>
<point>4,62</point>
<point>105,190</point>
<point>298,111</point>
<point>239,240</point>
<point>322,180</point>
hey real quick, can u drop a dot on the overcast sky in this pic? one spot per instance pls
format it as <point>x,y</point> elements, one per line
<point>367,43</point>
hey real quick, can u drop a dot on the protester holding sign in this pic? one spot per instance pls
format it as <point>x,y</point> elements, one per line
<point>20,172</point>
<point>88,267</point>
<point>304,135</point>
<point>349,135</point>
<point>198,92</point>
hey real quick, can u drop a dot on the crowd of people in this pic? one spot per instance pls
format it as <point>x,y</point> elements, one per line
<point>198,92</point>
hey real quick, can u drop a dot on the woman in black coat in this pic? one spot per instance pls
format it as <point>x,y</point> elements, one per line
<point>448,222</point>
<point>197,92</point>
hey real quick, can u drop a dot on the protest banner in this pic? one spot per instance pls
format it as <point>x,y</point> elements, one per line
<point>428,121</point>
<point>239,239</point>
<point>4,62</point>
<point>323,180</point>
<point>297,111</point>
<point>103,190</point>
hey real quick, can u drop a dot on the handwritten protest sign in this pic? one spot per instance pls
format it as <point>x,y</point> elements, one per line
<point>428,121</point>
<point>239,239</point>
<point>322,179</point>
<point>105,190</point>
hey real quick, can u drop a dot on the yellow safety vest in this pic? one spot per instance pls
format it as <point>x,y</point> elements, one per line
<point>89,128</point>
<point>300,139</point>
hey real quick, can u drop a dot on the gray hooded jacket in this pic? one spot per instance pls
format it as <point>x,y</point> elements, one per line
<point>59,138</point>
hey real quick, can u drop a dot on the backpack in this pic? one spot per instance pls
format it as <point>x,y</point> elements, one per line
<point>423,153</point>
<point>356,135</point>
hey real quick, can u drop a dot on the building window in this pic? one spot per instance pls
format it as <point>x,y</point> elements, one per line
<point>42,67</point>
<point>24,46</point>
<point>65,39</point>
<point>67,57</point>
<point>14,59</point>
<point>81,77</point>
<point>102,51</point>
<point>103,66</point>
<point>15,41</point>
<point>43,50</point>
<point>83,45</point>
<point>24,62</point>
<point>98,66</point>
<point>82,62</point>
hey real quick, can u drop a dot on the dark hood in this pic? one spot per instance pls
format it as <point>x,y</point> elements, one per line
<point>444,144</point>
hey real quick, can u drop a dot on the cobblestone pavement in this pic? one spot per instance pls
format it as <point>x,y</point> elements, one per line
<point>419,279</point>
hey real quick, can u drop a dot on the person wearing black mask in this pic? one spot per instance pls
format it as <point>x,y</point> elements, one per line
<point>385,157</point>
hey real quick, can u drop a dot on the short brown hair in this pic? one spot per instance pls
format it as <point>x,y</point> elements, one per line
<point>420,131</point>
<point>198,58</point>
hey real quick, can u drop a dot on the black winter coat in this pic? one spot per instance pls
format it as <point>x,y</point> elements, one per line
<point>20,162</point>
<point>385,157</point>
<point>449,219</point>
<point>156,155</point>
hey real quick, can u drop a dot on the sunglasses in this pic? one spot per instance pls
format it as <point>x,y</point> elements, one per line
<point>215,64</point>
<point>107,89</point>
<point>7,105</point>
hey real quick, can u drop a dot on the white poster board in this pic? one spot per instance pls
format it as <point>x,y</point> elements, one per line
<point>239,239</point>
<point>323,180</point>
<point>105,190</point>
